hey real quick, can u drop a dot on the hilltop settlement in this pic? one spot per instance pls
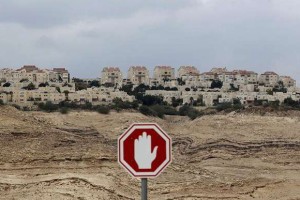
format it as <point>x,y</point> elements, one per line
<point>29,85</point>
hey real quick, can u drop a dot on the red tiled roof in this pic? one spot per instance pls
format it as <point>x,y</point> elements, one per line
<point>190,69</point>
<point>60,70</point>
<point>139,68</point>
<point>243,72</point>
<point>111,69</point>
<point>269,73</point>
<point>208,73</point>
<point>164,67</point>
<point>28,68</point>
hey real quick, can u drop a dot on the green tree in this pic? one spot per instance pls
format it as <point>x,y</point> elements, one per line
<point>103,109</point>
<point>64,110</point>
<point>42,85</point>
<point>94,83</point>
<point>30,86</point>
<point>48,106</point>
<point>7,84</point>
<point>216,84</point>
<point>149,100</point>
<point>191,112</point>
<point>269,92</point>
<point>145,110</point>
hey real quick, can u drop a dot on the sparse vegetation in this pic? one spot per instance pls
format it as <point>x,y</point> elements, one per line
<point>146,110</point>
<point>7,84</point>
<point>103,109</point>
<point>189,111</point>
<point>30,86</point>
<point>216,84</point>
<point>64,110</point>
<point>48,106</point>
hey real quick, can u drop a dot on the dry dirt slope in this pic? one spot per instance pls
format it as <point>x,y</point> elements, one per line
<point>53,156</point>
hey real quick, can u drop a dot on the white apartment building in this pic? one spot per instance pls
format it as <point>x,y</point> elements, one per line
<point>269,78</point>
<point>288,81</point>
<point>167,95</point>
<point>163,73</point>
<point>30,73</point>
<point>60,74</point>
<point>219,70</point>
<point>138,75</point>
<point>185,72</point>
<point>243,77</point>
<point>112,75</point>
<point>207,76</point>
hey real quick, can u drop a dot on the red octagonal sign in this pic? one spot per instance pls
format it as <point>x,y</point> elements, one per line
<point>144,150</point>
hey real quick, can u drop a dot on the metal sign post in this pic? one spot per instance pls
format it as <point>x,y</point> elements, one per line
<point>144,150</point>
<point>144,189</point>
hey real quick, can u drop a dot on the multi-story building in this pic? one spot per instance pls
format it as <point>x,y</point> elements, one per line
<point>269,78</point>
<point>186,71</point>
<point>207,76</point>
<point>242,77</point>
<point>112,75</point>
<point>287,81</point>
<point>167,95</point>
<point>61,74</point>
<point>35,75</point>
<point>219,70</point>
<point>228,77</point>
<point>138,75</point>
<point>164,73</point>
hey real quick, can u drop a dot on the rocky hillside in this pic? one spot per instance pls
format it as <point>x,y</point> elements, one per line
<point>73,156</point>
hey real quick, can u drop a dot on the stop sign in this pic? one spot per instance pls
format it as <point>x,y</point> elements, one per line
<point>144,150</point>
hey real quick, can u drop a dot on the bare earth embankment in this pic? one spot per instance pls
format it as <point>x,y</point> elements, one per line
<point>61,157</point>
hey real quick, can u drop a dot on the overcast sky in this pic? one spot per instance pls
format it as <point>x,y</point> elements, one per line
<point>87,35</point>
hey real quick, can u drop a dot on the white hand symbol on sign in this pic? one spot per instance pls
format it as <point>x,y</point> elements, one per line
<point>142,151</point>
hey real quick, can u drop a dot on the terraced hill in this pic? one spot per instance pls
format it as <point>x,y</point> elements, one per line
<point>235,156</point>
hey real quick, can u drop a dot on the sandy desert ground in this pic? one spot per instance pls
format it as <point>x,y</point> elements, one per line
<point>74,156</point>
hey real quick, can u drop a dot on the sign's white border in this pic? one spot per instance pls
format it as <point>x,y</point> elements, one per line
<point>127,133</point>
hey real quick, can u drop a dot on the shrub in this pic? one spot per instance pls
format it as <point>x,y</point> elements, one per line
<point>7,84</point>
<point>168,110</point>
<point>159,110</point>
<point>183,111</point>
<point>30,86</point>
<point>1,102</point>
<point>58,89</point>
<point>216,84</point>
<point>16,106</point>
<point>237,106</point>
<point>145,110</point>
<point>176,102</point>
<point>64,110</point>
<point>223,106</point>
<point>25,108</point>
<point>94,83</point>
<point>48,106</point>
<point>290,102</point>
<point>119,104</point>
<point>87,106</point>
<point>103,109</point>
<point>191,112</point>
<point>149,100</point>
<point>42,85</point>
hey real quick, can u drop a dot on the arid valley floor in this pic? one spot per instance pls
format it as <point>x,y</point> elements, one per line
<point>74,156</point>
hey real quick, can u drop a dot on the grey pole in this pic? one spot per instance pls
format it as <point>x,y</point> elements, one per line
<point>144,189</point>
